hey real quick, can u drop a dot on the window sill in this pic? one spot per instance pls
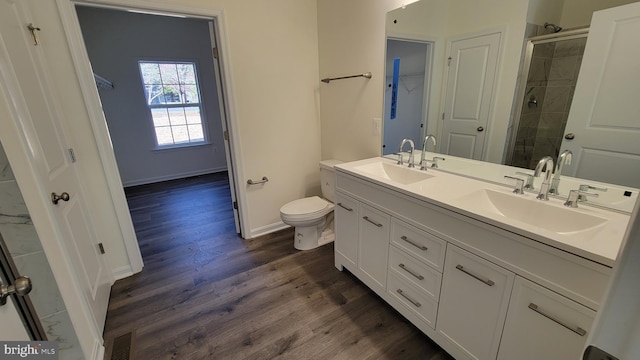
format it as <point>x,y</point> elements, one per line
<point>181,146</point>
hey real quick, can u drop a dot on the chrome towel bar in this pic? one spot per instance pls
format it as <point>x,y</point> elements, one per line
<point>251,182</point>
<point>365,75</point>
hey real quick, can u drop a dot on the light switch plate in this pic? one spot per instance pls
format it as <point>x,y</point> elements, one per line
<point>377,125</point>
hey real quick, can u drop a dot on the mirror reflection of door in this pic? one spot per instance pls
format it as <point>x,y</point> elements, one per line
<point>473,62</point>
<point>410,104</point>
<point>603,127</point>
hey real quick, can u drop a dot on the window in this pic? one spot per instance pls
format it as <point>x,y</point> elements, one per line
<point>173,96</point>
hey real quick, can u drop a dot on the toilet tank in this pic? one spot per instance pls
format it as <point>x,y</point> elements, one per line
<point>328,179</point>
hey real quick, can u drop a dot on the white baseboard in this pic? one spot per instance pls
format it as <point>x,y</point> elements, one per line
<point>267,229</point>
<point>122,272</point>
<point>156,179</point>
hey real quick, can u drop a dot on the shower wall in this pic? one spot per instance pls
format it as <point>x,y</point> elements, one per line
<point>550,85</point>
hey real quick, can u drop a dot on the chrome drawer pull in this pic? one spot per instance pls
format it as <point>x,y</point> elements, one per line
<point>423,248</point>
<point>417,304</point>
<point>344,207</point>
<point>477,277</point>
<point>576,329</point>
<point>371,221</point>
<point>417,276</point>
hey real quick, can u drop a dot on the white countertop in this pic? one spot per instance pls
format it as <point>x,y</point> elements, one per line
<point>599,243</point>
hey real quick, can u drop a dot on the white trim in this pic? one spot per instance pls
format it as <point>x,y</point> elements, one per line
<point>267,229</point>
<point>173,176</point>
<point>122,272</point>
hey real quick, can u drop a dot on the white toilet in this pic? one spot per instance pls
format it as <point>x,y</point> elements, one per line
<point>313,216</point>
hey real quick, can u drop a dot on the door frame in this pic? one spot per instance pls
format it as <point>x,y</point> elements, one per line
<point>91,99</point>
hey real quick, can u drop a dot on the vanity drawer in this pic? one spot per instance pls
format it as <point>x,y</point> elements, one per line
<point>419,243</point>
<point>412,298</point>
<point>416,272</point>
<point>542,324</point>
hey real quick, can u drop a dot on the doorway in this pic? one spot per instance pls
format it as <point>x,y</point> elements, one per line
<point>118,41</point>
<point>408,74</point>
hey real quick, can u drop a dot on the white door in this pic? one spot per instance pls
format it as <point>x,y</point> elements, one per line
<point>225,126</point>
<point>603,128</point>
<point>473,62</point>
<point>34,110</point>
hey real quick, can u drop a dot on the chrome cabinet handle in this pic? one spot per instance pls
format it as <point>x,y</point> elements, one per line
<point>371,221</point>
<point>477,277</point>
<point>576,329</point>
<point>423,248</point>
<point>344,207</point>
<point>417,276</point>
<point>415,303</point>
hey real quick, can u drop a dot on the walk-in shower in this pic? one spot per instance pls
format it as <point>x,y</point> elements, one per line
<point>550,70</point>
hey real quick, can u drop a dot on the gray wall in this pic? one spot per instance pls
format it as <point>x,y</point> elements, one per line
<point>116,41</point>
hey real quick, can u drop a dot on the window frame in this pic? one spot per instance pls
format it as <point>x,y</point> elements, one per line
<point>200,104</point>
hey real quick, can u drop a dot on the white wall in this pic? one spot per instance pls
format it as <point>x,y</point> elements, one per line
<point>116,41</point>
<point>352,41</point>
<point>578,12</point>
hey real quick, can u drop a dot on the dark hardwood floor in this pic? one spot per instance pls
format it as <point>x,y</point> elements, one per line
<point>205,293</point>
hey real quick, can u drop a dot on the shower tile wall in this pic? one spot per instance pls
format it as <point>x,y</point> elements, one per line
<point>27,253</point>
<point>551,82</point>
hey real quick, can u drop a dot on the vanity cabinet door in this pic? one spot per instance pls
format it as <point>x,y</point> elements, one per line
<point>473,303</point>
<point>542,324</point>
<point>346,220</point>
<point>373,247</point>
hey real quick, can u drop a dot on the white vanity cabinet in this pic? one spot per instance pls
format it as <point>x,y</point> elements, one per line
<point>346,217</point>
<point>373,247</point>
<point>466,283</point>
<point>362,240</point>
<point>473,303</point>
<point>543,325</point>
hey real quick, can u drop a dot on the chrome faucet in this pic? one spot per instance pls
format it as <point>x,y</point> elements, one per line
<point>411,161</point>
<point>546,163</point>
<point>563,159</point>
<point>423,158</point>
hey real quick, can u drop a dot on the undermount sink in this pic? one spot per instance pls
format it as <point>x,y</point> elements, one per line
<point>396,173</point>
<point>531,211</point>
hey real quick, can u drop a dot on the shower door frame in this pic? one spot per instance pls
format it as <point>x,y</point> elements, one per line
<point>522,81</point>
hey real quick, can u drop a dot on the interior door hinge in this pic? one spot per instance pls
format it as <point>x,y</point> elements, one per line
<point>235,205</point>
<point>72,155</point>
<point>442,116</point>
<point>101,248</point>
<point>226,135</point>
<point>215,53</point>
<point>449,61</point>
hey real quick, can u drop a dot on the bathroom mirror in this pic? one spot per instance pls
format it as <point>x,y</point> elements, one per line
<point>419,91</point>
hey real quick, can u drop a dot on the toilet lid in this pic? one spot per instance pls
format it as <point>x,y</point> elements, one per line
<point>305,206</point>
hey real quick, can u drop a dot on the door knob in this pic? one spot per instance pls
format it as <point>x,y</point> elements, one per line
<point>22,286</point>
<point>480,129</point>
<point>55,197</point>
<point>570,136</point>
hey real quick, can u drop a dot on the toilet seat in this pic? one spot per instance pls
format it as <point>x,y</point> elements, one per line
<point>307,208</point>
